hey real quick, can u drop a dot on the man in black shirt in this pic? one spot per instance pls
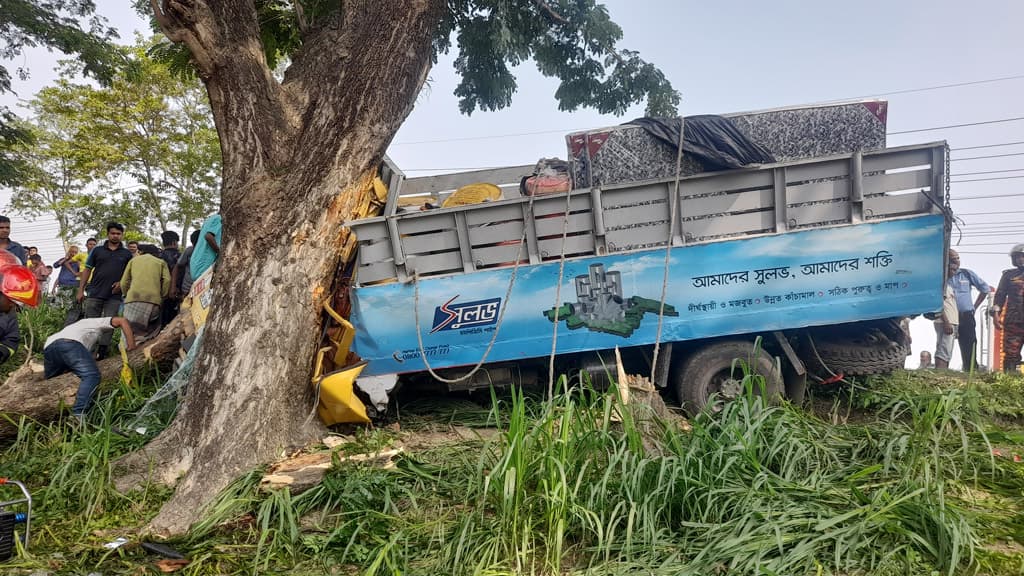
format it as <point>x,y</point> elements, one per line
<point>99,289</point>
<point>170,254</point>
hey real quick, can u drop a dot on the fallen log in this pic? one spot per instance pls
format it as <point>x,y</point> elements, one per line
<point>25,395</point>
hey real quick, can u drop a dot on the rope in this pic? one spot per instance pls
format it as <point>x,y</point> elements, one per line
<point>668,246</point>
<point>501,314</point>
<point>558,294</point>
<point>839,377</point>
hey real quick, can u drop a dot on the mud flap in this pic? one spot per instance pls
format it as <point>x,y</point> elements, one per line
<point>794,373</point>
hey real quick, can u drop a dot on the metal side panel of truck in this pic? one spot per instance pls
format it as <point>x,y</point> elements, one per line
<point>780,247</point>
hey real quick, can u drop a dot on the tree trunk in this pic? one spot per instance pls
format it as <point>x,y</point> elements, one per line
<point>296,155</point>
<point>26,394</point>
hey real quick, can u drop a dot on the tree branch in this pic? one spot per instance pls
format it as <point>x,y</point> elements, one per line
<point>547,9</point>
<point>177,32</point>
<point>300,17</point>
<point>255,118</point>
<point>333,76</point>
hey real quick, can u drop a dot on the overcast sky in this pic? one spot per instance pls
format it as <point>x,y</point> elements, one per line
<point>734,56</point>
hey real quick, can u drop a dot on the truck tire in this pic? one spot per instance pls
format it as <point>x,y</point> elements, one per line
<point>709,372</point>
<point>855,358</point>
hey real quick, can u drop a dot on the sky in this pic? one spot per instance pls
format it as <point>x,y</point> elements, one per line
<point>736,56</point>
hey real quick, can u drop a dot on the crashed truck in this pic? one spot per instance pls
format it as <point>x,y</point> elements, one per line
<point>792,239</point>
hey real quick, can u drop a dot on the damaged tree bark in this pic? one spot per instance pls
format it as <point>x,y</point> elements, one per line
<point>26,395</point>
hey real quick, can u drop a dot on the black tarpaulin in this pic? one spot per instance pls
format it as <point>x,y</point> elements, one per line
<point>715,140</point>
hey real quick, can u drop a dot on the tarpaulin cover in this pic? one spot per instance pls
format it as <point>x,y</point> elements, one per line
<point>713,139</point>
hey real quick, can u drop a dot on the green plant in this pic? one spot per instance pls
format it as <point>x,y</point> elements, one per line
<point>585,485</point>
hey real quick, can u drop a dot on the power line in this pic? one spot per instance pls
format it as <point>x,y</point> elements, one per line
<point>991,223</point>
<point>994,227</point>
<point>940,87</point>
<point>456,168</point>
<point>990,213</point>
<point>957,126</point>
<point>986,172</point>
<point>987,146</point>
<point>989,156</point>
<point>491,137</point>
<point>567,131</point>
<point>993,234</point>
<point>986,197</point>
<point>1007,243</point>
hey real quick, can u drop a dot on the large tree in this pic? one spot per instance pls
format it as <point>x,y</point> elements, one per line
<point>69,26</point>
<point>296,153</point>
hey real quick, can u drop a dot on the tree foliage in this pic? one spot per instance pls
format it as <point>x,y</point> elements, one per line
<point>69,26</point>
<point>572,40</point>
<point>141,150</point>
<point>155,129</point>
<point>53,179</point>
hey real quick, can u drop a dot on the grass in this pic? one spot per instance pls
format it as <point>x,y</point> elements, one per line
<point>68,470</point>
<point>580,485</point>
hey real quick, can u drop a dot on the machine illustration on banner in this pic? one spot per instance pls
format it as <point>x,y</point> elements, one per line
<point>600,306</point>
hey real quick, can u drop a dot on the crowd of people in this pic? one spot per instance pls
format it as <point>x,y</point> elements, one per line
<point>956,321</point>
<point>131,286</point>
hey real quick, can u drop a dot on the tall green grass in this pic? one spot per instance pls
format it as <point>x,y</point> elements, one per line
<point>584,485</point>
<point>68,469</point>
<point>754,489</point>
<point>580,486</point>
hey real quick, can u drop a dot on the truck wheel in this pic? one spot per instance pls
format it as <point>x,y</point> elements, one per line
<point>709,373</point>
<point>855,358</point>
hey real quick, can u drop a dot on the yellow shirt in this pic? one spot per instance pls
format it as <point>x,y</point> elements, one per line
<point>80,258</point>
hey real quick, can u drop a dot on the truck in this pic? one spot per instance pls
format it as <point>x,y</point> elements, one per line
<point>804,268</point>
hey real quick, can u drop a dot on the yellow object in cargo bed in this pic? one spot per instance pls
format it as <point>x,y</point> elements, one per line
<point>472,194</point>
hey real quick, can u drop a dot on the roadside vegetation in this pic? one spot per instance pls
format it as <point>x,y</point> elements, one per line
<point>917,473</point>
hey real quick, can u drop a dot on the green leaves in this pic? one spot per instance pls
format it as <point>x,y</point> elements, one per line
<point>142,150</point>
<point>65,25</point>
<point>574,41</point>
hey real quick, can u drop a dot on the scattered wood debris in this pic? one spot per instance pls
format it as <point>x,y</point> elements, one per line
<point>304,470</point>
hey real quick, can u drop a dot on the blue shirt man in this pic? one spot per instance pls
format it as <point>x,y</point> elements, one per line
<point>961,280</point>
<point>208,247</point>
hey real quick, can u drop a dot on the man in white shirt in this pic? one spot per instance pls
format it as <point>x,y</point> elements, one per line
<point>71,350</point>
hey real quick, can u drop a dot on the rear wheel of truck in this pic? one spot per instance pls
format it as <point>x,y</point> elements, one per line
<point>715,374</point>
<point>859,357</point>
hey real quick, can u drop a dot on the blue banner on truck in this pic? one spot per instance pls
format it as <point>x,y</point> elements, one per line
<point>777,282</point>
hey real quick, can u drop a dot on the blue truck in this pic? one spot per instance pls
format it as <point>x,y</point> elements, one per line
<point>803,267</point>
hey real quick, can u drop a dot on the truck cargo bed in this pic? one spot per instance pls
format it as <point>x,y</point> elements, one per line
<point>813,242</point>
